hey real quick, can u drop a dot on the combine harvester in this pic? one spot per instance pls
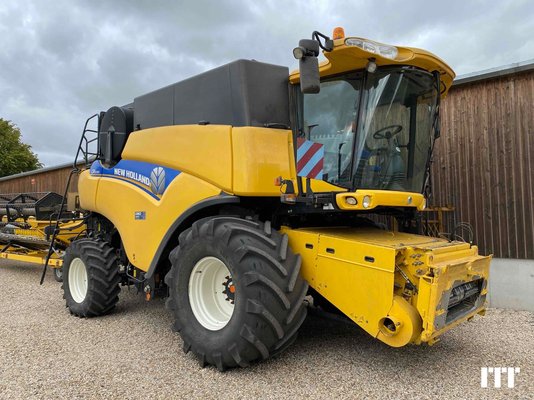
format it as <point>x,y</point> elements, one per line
<point>246,194</point>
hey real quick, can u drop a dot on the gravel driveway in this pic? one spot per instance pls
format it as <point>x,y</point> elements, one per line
<point>46,353</point>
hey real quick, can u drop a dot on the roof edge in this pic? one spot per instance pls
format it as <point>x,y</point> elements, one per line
<point>497,72</point>
<point>39,171</point>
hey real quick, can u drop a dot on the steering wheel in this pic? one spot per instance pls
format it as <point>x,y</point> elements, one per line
<point>387,132</point>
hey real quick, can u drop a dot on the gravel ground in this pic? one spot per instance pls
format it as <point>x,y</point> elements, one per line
<point>46,353</point>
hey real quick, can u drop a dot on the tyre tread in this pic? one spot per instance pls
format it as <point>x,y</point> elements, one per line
<point>278,311</point>
<point>100,262</point>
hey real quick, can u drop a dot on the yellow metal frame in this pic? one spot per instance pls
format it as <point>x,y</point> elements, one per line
<point>364,272</point>
<point>32,256</point>
<point>69,230</point>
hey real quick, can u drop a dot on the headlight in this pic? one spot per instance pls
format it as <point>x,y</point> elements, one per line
<point>366,202</point>
<point>370,46</point>
<point>299,52</point>
<point>351,201</point>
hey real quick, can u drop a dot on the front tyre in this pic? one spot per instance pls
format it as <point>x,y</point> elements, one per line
<point>235,291</point>
<point>58,274</point>
<point>90,278</point>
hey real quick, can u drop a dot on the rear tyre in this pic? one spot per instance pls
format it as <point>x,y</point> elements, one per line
<point>58,274</point>
<point>90,278</point>
<point>235,291</point>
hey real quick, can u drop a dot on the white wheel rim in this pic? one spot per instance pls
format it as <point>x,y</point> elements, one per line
<point>209,280</point>
<point>78,280</point>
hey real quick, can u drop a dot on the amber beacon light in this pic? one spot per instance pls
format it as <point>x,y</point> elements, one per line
<point>339,33</point>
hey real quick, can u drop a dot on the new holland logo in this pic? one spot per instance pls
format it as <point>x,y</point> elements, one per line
<point>157,180</point>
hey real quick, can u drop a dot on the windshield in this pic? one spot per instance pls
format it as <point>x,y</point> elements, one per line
<point>384,142</point>
<point>330,119</point>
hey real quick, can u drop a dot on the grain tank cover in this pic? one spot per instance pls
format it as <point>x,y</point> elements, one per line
<point>242,93</point>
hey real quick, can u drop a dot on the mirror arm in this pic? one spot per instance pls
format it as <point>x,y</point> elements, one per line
<point>328,43</point>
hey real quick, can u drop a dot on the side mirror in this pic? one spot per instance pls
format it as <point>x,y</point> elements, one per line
<point>307,53</point>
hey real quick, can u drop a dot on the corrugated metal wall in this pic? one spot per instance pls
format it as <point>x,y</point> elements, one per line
<point>48,181</point>
<point>484,162</point>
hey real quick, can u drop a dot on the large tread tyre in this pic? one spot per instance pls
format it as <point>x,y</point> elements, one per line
<point>58,274</point>
<point>90,278</point>
<point>268,295</point>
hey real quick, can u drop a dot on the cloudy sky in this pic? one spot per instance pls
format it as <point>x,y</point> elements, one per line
<point>61,60</point>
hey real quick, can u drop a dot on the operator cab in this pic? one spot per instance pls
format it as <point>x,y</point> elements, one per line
<point>376,128</point>
<point>371,113</point>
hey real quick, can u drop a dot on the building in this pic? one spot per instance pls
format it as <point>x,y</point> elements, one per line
<point>49,179</point>
<point>484,161</point>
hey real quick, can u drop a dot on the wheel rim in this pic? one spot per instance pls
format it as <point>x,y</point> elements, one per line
<point>58,272</point>
<point>78,280</point>
<point>211,293</point>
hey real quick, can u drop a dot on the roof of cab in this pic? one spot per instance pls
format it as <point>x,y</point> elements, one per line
<point>344,58</point>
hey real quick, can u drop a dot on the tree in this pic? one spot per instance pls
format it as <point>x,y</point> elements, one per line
<point>15,156</point>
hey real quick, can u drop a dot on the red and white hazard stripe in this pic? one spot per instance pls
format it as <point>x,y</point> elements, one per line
<point>310,159</point>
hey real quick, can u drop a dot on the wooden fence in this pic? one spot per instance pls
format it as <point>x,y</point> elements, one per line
<point>484,162</point>
<point>49,180</point>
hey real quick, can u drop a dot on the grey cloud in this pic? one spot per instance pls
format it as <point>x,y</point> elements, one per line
<point>62,61</point>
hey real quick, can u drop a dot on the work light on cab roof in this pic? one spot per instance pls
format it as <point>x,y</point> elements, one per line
<point>370,46</point>
<point>373,47</point>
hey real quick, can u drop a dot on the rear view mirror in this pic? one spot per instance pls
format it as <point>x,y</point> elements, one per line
<point>307,53</point>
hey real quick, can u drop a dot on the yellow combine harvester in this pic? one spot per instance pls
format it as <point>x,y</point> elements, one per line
<point>247,193</point>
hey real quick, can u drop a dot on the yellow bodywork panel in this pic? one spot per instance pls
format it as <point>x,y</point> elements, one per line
<point>345,58</point>
<point>263,155</point>
<point>119,201</point>
<point>87,190</point>
<point>396,286</point>
<point>342,269</point>
<point>203,151</point>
